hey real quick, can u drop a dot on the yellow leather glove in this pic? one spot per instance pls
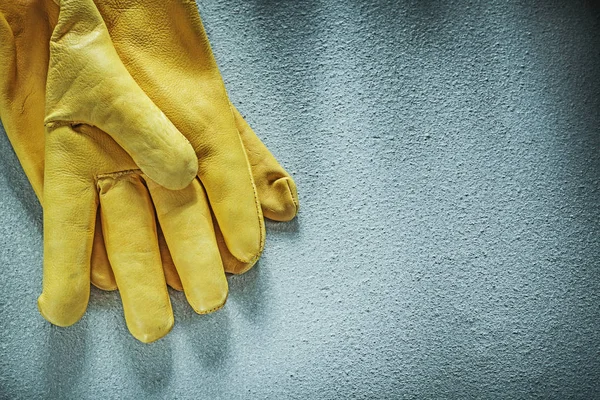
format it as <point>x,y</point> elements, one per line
<point>26,26</point>
<point>84,168</point>
<point>163,46</point>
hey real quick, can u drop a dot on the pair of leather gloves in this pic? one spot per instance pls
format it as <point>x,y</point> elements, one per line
<point>148,176</point>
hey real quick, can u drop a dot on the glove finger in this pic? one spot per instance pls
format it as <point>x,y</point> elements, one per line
<point>171,275</point>
<point>276,188</point>
<point>227,178</point>
<point>185,218</point>
<point>101,273</point>
<point>230,264</point>
<point>69,217</point>
<point>92,86</point>
<point>130,237</point>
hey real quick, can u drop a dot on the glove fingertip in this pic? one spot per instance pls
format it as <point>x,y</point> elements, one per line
<point>63,310</point>
<point>173,171</point>
<point>153,330</point>
<point>283,204</point>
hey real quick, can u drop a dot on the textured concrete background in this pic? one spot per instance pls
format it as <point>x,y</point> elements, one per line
<point>447,155</point>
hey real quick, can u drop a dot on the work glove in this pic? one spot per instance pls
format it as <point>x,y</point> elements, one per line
<point>85,167</point>
<point>165,48</point>
<point>25,30</point>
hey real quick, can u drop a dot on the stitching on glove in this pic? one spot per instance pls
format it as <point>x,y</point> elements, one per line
<point>296,203</point>
<point>261,238</point>
<point>119,174</point>
<point>260,222</point>
<point>212,309</point>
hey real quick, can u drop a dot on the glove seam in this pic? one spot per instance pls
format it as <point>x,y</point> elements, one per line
<point>296,203</point>
<point>211,310</point>
<point>261,238</point>
<point>118,174</point>
<point>53,124</point>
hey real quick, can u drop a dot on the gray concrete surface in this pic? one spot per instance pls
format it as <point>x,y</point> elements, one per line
<point>448,246</point>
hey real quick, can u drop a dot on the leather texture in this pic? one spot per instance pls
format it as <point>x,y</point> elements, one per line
<point>89,85</point>
<point>83,163</point>
<point>179,73</point>
<point>85,168</point>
